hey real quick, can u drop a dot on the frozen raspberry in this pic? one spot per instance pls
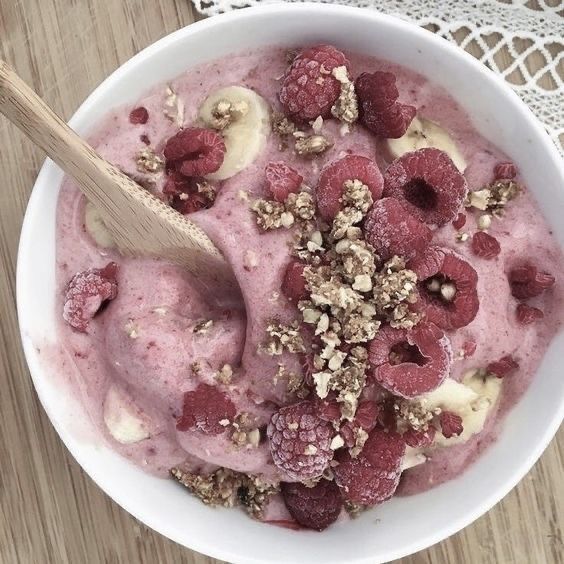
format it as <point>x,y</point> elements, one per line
<point>428,184</point>
<point>379,109</point>
<point>300,441</point>
<point>485,246</point>
<point>469,348</point>
<point>87,292</point>
<point>451,424</point>
<point>419,438</point>
<point>332,182</point>
<point>374,475</point>
<point>392,230</point>
<point>139,116</point>
<point>527,314</point>
<point>195,151</point>
<point>327,408</point>
<point>527,282</point>
<point>460,221</point>
<point>505,171</point>
<point>205,409</point>
<point>183,193</point>
<point>365,418</point>
<point>447,288</point>
<point>314,508</point>
<point>294,284</point>
<point>309,90</point>
<point>502,367</point>
<point>412,362</point>
<point>282,180</point>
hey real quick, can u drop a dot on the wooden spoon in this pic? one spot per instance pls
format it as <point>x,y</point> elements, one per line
<point>139,222</point>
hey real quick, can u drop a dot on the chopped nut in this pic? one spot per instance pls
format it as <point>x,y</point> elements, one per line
<point>317,125</point>
<point>360,438</point>
<point>310,450</point>
<point>461,237</point>
<point>312,145</point>
<point>202,326</point>
<point>484,222</point>
<point>362,283</point>
<point>148,161</point>
<point>287,220</point>
<point>479,199</point>
<point>448,291</point>
<point>337,442</point>
<point>414,413</point>
<point>225,374</point>
<point>322,380</point>
<point>283,337</point>
<point>174,107</point>
<point>250,260</point>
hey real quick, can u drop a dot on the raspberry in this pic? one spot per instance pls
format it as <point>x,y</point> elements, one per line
<point>527,282</point>
<point>379,109</point>
<point>300,441</point>
<point>485,246</point>
<point>87,292</point>
<point>374,475</point>
<point>138,116</point>
<point>309,90</point>
<point>392,230</point>
<point>460,221</point>
<point>203,410</point>
<point>527,314</point>
<point>195,151</point>
<point>282,180</point>
<point>332,182</point>
<point>505,171</point>
<point>428,184</point>
<point>420,438</point>
<point>469,348</point>
<point>314,508</point>
<point>440,269</point>
<point>502,367</point>
<point>327,409</point>
<point>412,362</point>
<point>451,424</point>
<point>183,193</point>
<point>294,284</point>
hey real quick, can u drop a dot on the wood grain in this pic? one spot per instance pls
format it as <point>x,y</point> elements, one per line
<point>50,512</point>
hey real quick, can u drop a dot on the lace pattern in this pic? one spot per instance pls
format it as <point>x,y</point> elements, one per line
<point>510,37</point>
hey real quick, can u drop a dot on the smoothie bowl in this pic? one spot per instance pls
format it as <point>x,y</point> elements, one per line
<point>390,369</point>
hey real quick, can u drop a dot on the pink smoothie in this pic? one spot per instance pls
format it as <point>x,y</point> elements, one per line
<point>163,304</point>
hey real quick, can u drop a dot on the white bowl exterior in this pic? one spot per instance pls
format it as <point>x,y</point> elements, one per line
<point>403,525</point>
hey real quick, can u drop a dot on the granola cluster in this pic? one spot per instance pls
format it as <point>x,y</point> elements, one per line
<point>227,488</point>
<point>494,197</point>
<point>282,337</point>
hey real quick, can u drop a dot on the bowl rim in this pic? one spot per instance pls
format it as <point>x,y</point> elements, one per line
<point>237,17</point>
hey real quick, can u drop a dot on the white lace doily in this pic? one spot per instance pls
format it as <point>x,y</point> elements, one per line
<point>509,35</point>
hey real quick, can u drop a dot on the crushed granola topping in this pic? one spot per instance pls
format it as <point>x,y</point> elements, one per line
<point>312,144</point>
<point>173,107</point>
<point>224,113</point>
<point>282,337</point>
<point>394,288</point>
<point>296,383</point>
<point>203,326</point>
<point>225,374</point>
<point>281,125</point>
<point>148,161</point>
<point>131,329</point>
<point>227,488</point>
<point>268,213</point>
<point>354,509</point>
<point>414,414</point>
<point>360,438</point>
<point>207,190</point>
<point>196,368</point>
<point>300,205</point>
<point>345,108</point>
<point>494,197</point>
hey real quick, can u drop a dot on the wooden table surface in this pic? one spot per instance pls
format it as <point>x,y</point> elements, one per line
<point>50,511</point>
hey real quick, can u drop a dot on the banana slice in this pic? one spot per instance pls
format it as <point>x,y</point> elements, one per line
<point>424,133</point>
<point>412,457</point>
<point>472,399</point>
<point>244,120</point>
<point>96,227</point>
<point>123,419</point>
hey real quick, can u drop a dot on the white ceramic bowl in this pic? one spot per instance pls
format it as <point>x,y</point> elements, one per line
<point>403,525</point>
